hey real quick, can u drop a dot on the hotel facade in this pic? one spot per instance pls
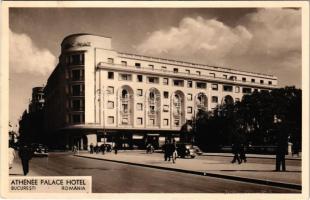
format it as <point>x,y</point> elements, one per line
<point>98,95</point>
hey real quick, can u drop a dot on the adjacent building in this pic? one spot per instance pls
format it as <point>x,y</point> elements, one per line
<point>99,95</point>
<point>37,100</point>
<point>31,128</point>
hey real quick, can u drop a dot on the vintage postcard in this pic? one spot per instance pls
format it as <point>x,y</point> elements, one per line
<point>149,99</point>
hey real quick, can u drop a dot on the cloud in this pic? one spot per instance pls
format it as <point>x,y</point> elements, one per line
<point>267,32</point>
<point>275,31</point>
<point>208,38</point>
<point>25,56</point>
<point>267,41</point>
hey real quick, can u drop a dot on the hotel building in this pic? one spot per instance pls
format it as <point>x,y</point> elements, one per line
<point>98,95</point>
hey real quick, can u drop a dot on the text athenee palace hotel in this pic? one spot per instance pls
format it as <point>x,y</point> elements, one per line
<point>98,95</point>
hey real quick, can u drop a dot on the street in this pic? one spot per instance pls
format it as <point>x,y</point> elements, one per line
<point>114,177</point>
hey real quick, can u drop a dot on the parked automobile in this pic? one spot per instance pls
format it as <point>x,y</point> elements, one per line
<point>40,150</point>
<point>197,150</point>
<point>186,150</point>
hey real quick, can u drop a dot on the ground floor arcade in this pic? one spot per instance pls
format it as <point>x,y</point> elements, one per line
<point>123,139</point>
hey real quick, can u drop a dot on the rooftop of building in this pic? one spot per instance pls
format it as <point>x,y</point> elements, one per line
<point>81,34</point>
<point>171,61</point>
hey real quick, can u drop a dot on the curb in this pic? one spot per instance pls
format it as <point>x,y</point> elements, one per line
<point>236,178</point>
<point>297,159</point>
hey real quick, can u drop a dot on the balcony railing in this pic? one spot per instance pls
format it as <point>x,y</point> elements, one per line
<point>125,99</point>
<point>177,114</point>
<point>184,75</point>
<point>188,64</point>
<point>125,112</point>
<point>153,112</point>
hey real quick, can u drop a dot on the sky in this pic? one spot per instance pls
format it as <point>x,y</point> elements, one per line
<point>256,40</point>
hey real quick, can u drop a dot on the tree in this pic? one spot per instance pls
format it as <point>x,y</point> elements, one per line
<point>252,120</point>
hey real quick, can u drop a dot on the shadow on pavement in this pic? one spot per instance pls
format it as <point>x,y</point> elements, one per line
<point>16,174</point>
<point>247,170</point>
<point>89,168</point>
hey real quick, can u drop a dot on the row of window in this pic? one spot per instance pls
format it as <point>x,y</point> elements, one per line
<point>139,106</point>
<point>75,59</point>
<point>187,71</point>
<point>79,90</point>
<point>151,121</point>
<point>178,82</point>
<point>139,92</point>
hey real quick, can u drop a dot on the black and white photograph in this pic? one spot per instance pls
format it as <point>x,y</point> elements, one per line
<point>170,98</point>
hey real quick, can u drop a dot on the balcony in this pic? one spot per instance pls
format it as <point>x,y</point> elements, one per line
<point>152,112</point>
<point>177,114</point>
<point>126,99</point>
<point>125,112</point>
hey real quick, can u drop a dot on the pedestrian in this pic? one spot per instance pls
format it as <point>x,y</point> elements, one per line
<point>282,143</point>
<point>173,152</point>
<point>25,154</point>
<point>280,154</point>
<point>102,148</point>
<point>242,153</point>
<point>235,151</point>
<point>295,149</point>
<point>115,149</point>
<point>148,148</point>
<point>11,156</point>
<point>74,149</point>
<point>165,150</point>
<point>170,152</point>
<point>109,148</point>
<point>91,146</point>
<point>97,148</point>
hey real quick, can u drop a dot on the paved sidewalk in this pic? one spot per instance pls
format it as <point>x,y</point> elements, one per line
<point>287,157</point>
<point>260,173</point>
<point>17,169</point>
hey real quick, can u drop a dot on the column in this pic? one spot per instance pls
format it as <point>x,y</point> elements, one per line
<point>91,138</point>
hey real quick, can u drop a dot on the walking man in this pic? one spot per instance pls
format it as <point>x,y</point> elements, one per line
<point>97,148</point>
<point>236,151</point>
<point>173,151</point>
<point>25,154</point>
<point>282,143</point>
<point>242,153</point>
<point>280,154</point>
<point>115,149</point>
<point>165,149</point>
<point>91,146</point>
<point>102,148</point>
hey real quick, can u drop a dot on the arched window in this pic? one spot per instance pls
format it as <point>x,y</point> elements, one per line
<point>202,100</point>
<point>228,100</point>
<point>152,95</point>
<point>124,93</point>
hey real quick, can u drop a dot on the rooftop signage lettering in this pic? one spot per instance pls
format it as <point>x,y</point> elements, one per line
<point>77,44</point>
